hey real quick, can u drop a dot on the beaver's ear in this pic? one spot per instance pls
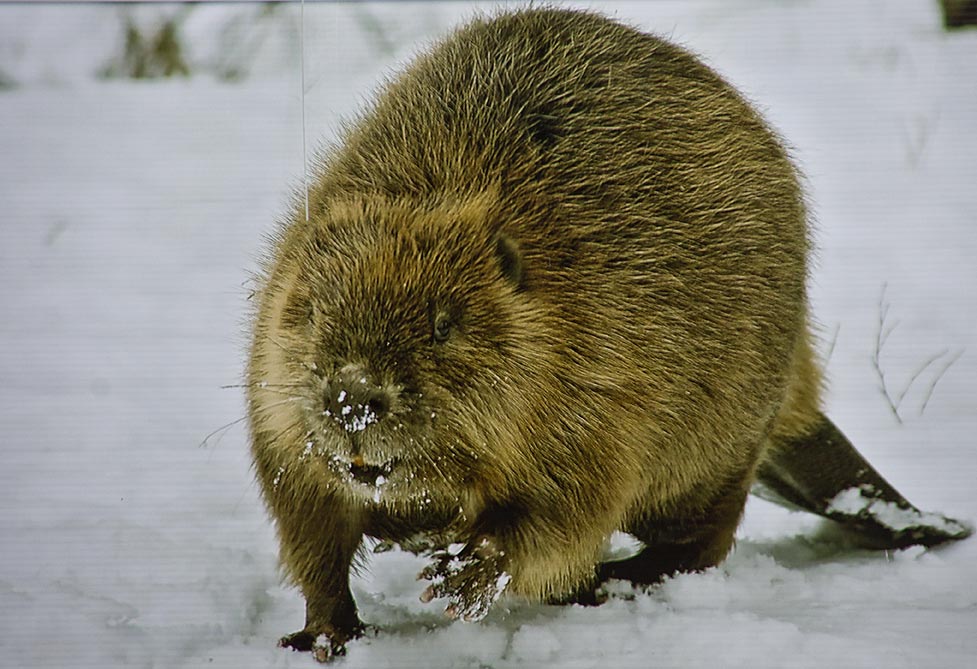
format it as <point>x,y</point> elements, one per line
<point>509,256</point>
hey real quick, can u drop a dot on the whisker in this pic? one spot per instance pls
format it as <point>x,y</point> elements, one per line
<point>279,344</point>
<point>289,427</point>
<point>267,407</point>
<point>435,468</point>
<point>262,384</point>
<point>311,366</point>
<point>223,428</point>
<point>286,392</point>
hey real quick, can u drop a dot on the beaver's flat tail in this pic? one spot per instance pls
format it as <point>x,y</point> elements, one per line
<point>823,473</point>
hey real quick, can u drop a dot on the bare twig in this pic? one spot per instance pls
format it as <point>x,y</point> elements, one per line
<point>916,137</point>
<point>919,370</point>
<point>936,379</point>
<point>881,335</point>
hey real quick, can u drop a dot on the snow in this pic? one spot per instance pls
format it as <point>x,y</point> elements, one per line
<point>133,212</point>
<point>859,501</point>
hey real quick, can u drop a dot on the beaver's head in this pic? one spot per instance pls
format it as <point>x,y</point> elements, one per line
<point>403,336</point>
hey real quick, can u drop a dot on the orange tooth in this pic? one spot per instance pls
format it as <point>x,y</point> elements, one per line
<point>358,461</point>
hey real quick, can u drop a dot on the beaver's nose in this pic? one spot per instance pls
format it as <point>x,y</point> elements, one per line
<point>354,400</point>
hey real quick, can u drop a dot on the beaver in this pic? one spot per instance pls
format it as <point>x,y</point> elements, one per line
<point>551,286</point>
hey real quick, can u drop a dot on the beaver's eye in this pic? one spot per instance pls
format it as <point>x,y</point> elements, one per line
<point>442,328</point>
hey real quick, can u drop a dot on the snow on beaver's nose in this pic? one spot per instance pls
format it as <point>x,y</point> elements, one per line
<point>354,400</point>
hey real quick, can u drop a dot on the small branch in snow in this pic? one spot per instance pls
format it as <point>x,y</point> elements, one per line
<point>882,335</point>
<point>919,370</point>
<point>917,136</point>
<point>936,379</point>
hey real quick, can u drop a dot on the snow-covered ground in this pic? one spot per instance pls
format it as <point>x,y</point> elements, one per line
<point>131,214</point>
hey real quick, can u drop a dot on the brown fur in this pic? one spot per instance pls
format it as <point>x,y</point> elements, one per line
<point>618,243</point>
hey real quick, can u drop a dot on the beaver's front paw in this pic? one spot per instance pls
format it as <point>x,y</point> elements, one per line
<point>326,644</point>
<point>470,576</point>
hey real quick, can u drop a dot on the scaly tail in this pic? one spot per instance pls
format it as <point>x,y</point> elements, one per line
<point>824,474</point>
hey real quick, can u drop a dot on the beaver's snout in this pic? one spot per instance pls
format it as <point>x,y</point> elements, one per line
<point>354,400</point>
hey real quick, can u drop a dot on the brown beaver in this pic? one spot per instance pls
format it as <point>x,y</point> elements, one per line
<point>552,286</point>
